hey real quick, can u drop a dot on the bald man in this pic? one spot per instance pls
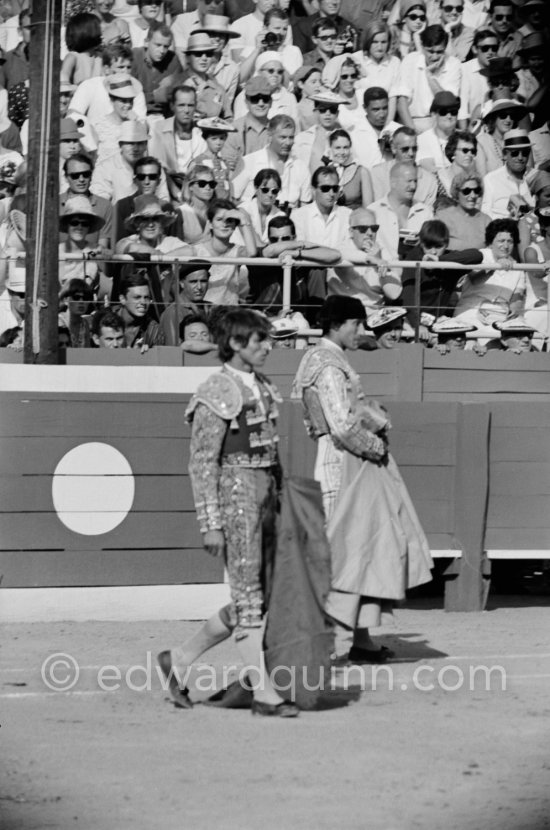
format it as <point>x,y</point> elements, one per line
<point>398,215</point>
<point>368,279</point>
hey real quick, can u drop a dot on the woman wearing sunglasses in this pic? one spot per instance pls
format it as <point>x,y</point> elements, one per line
<point>340,75</point>
<point>77,221</point>
<point>262,207</point>
<point>498,118</point>
<point>409,19</point>
<point>378,67</point>
<point>198,192</point>
<point>464,219</point>
<point>269,68</point>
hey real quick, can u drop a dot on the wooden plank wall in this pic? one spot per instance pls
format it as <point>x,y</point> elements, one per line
<point>518,514</point>
<point>157,543</point>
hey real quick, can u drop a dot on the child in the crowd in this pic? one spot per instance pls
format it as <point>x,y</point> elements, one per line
<point>214,131</point>
<point>195,335</point>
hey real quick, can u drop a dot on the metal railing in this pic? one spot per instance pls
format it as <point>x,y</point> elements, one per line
<point>287,263</point>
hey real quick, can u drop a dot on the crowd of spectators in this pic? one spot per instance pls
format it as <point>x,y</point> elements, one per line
<point>338,136</point>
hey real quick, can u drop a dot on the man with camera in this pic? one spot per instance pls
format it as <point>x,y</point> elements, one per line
<point>273,37</point>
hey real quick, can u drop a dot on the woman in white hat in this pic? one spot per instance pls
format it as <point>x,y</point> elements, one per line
<point>340,75</point>
<point>270,68</point>
<point>149,223</point>
<point>77,221</point>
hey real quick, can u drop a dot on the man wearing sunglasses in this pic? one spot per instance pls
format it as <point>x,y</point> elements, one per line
<point>502,20</point>
<point>432,142</point>
<point>423,74</point>
<point>404,146</point>
<point>508,180</point>
<point>78,171</point>
<point>303,26</point>
<point>312,144</point>
<point>474,86</point>
<point>368,279</point>
<point>323,36</point>
<point>148,175</point>
<point>252,132</point>
<point>323,222</point>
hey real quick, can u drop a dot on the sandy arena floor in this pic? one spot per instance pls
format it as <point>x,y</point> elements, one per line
<point>453,756</point>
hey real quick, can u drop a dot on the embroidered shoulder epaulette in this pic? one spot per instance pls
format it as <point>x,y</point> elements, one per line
<point>221,394</point>
<point>314,362</point>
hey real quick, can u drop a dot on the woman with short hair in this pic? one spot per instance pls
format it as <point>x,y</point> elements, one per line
<point>464,219</point>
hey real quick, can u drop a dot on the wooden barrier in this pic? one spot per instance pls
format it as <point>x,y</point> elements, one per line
<point>477,464</point>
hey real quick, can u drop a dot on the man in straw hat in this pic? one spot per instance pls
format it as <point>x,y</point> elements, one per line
<point>224,70</point>
<point>508,180</point>
<point>91,97</point>
<point>123,90</point>
<point>200,58</point>
<point>184,24</point>
<point>451,334</point>
<point>516,336</point>
<point>113,178</point>
<point>312,144</point>
<point>377,545</point>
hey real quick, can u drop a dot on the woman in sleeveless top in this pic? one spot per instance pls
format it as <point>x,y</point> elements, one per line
<point>355,180</point>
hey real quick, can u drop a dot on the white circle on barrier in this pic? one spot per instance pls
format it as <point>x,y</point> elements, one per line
<point>93,489</point>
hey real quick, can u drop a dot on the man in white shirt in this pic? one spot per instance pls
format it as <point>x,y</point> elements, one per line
<point>473,85</point>
<point>366,136</point>
<point>91,97</point>
<point>398,216</point>
<point>113,178</point>
<point>295,177</point>
<point>250,26</point>
<point>371,282</point>
<point>425,73</point>
<point>432,142</point>
<point>322,222</point>
<point>404,146</point>
<point>508,180</point>
<point>175,141</point>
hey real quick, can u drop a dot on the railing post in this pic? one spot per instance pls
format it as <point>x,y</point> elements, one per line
<point>287,284</point>
<point>417,278</point>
